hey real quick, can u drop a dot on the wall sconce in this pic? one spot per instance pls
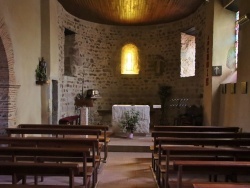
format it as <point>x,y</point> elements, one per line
<point>244,19</point>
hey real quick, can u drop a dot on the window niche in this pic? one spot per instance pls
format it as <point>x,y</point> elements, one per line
<point>70,52</point>
<point>188,51</point>
<point>129,59</point>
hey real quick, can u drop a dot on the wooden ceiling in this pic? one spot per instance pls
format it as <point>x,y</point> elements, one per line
<point>131,12</point>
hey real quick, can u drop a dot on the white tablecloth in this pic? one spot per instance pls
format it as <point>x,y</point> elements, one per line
<point>144,119</point>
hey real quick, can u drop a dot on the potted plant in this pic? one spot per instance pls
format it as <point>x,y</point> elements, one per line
<point>129,122</point>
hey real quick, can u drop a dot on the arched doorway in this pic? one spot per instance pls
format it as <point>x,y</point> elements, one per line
<point>8,87</point>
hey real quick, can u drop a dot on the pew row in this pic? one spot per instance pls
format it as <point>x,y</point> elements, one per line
<point>209,167</point>
<point>103,138</point>
<point>48,169</point>
<point>39,166</point>
<point>55,132</point>
<point>196,153</point>
<point>196,128</point>
<point>192,138</point>
<point>220,185</point>
<point>53,142</point>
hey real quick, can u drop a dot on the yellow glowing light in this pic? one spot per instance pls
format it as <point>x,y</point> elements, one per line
<point>129,60</point>
<point>129,63</point>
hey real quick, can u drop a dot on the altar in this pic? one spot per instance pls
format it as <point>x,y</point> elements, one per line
<point>144,119</point>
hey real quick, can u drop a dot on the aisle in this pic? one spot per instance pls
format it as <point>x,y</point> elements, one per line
<point>127,170</point>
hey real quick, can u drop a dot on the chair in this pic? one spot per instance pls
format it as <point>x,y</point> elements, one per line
<point>192,116</point>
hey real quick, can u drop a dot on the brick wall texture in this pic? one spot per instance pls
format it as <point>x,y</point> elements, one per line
<point>8,87</point>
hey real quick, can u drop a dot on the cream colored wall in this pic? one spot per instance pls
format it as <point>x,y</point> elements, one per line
<point>234,109</point>
<point>23,23</point>
<point>207,94</point>
<point>49,50</point>
<point>54,50</point>
<point>243,100</point>
<point>223,40</point>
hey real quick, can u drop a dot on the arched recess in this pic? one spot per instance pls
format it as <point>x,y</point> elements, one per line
<point>130,59</point>
<point>8,87</point>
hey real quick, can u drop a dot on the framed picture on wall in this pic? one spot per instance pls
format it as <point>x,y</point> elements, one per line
<point>243,87</point>
<point>216,70</point>
<point>223,88</point>
<point>233,88</point>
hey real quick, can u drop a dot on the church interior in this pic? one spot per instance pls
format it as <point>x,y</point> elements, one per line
<point>175,63</point>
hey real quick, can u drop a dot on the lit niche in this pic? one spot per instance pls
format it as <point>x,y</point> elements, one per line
<point>129,59</point>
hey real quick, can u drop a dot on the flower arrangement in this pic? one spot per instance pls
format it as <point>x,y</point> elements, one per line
<point>129,121</point>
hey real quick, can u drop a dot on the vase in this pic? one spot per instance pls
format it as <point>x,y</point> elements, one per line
<point>130,135</point>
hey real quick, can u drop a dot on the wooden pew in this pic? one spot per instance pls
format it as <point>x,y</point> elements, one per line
<point>192,135</point>
<point>215,142</point>
<point>197,153</point>
<point>197,128</point>
<point>48,169</point>
<point>53,142</point>
<point>210,167</point>
<point>43,168</point>
<point>105,139</point>
<point>189,134</point>
<point>33,186</point>
<point>220,185</point>
<point>56,132</point>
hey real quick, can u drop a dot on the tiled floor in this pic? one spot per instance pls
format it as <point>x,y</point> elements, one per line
<point>127,170</point>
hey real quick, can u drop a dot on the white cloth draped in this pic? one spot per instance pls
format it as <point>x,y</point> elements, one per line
<point>144,118</point>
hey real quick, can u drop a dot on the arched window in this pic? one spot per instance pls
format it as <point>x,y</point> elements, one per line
<point>129,59</point>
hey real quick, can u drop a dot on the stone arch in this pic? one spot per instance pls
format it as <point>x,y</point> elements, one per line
<point>8,86</point>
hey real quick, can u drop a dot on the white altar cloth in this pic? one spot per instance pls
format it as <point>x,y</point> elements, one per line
<point>144,119</point>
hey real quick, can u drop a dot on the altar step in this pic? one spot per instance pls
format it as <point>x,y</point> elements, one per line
<point>118,148</point>
<point>139,143</point>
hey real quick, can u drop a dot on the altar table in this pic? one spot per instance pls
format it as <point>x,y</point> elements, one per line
<point>144,119</point>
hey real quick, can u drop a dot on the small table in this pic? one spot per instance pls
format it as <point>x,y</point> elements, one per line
<point>144,120</point>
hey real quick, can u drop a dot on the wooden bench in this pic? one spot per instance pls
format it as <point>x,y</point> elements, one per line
<point>48,169</point>
<point>214,142</point>
<point>189,134</point>
<point>38,167</point>
<point>221,185</point>
<point>54,142</point>
<point>209,167</point>
<point>33,186</point>
<point>206,136</point>
<point>104,138</point>
<point>196,128</point>
<point>196,153</point>
<point>56,132</point>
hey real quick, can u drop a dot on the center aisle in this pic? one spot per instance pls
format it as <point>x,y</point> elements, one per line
<point>127,170</point>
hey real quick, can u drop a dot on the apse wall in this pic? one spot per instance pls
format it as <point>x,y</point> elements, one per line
<point>97,56</point>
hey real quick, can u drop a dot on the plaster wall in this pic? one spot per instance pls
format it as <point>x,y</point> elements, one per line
<point>242,109</point>
<point>223,41</point>
<point>234,109</point>
<point>23,25</point>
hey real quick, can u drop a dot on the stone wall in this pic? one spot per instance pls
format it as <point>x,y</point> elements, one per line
<point>98,65</point>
